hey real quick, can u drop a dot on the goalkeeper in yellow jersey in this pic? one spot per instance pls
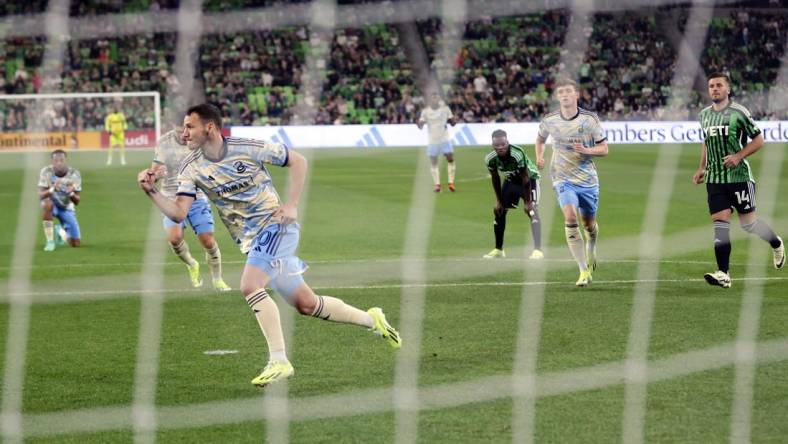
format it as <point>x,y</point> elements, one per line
<point>115,125</point>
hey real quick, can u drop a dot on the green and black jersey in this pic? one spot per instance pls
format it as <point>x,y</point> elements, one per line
<point>513,166</point>
<point>725,132</point>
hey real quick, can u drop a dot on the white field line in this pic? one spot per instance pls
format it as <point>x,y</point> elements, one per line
<point>54,297</point>
<point>651,237</point>
<point>369,401</point>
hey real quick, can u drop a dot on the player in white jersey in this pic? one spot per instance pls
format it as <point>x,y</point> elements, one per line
<point>59,188</point>
<point>436,115</point>
<point>170,152</point>
<point>232,173</point>
<point>577,138</point>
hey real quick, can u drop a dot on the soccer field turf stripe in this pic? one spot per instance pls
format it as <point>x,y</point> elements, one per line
<point>74,296</point>
<point>364,402</point>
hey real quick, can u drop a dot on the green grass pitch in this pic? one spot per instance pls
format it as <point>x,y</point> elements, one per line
<point>84,321</point>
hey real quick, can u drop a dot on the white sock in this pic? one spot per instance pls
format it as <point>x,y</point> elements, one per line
<point>333,309</point>
<point>214,258</point>
<point>49,230</point>
<point>436,175</point>
<point>575,242</point>
<point>267,314</point>
<point>591,238</point>
<point>182,251</point>
<point>451,168</point>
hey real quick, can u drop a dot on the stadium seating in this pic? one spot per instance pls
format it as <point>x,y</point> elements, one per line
<point>504,71</point>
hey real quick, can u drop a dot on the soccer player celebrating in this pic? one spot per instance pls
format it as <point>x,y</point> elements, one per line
<point>232,173</point>
<point>115,124</point>
<point>729,180</point>
<point>436,115</point>
<point>521,181</point>
<point>59,186</point>
<point>170,152</point>
<point>577,138</point>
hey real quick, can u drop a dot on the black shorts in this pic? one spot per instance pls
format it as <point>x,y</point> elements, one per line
<point>725,196</point>
<point>511,193</point>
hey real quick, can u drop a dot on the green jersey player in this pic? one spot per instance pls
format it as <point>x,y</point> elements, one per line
<point>728,176</point>
<point>520,181</point>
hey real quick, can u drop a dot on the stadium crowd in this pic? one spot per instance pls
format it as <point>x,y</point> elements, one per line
<point>504,71</point>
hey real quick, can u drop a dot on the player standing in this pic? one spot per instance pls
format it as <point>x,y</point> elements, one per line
<point>577,138</point>
<point>170,152</point>
<point>436,115</point>
<point>729,180</point>
<point>233,175</point>
<point>521,181</point>
<point>115,124</point>
<point>59,188</point>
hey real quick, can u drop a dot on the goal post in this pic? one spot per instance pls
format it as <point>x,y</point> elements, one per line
<point>76,120</point>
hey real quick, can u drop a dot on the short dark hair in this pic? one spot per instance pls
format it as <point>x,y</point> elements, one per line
<point>498,133</point>
<point>719,75</point>
<point>207,113</point>
<point>56,152</point>
<point>566,81</point>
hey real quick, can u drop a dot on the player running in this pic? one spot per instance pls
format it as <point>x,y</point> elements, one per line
<point>729,180</point>
<point>577,138</point>
<point>170,152</point>
<point>233,175</point>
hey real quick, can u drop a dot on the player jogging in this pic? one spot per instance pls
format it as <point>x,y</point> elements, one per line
<point>170,152</point>
<point>115,124</point>
<point>729,180</point>
<point>233,175</point>
<point>577,138</point>
<point>436,115</point>
<point>521,181</point>
<point>59,188</point>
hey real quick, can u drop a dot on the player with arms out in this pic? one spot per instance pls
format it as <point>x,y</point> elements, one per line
<point>115,124</point>
<point>521,181</point>
<point>170,152</point>
<point>729,180</point>
<point>577,138</point>
<point>59,188</point>
<point>233,175</point>
<point>436,115</point>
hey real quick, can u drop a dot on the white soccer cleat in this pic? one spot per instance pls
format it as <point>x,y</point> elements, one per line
<point>779,254</point>
<point>536,254</point>
<point>719,278</point>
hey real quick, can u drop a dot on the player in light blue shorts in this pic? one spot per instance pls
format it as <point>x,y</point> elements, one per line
<point>585,199</point>
<point>445,148</point>
<point>200,218</point>
<point>273,251</point>
<point>578,138</point>
<point>59,188</point>
<point>232,173</point>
